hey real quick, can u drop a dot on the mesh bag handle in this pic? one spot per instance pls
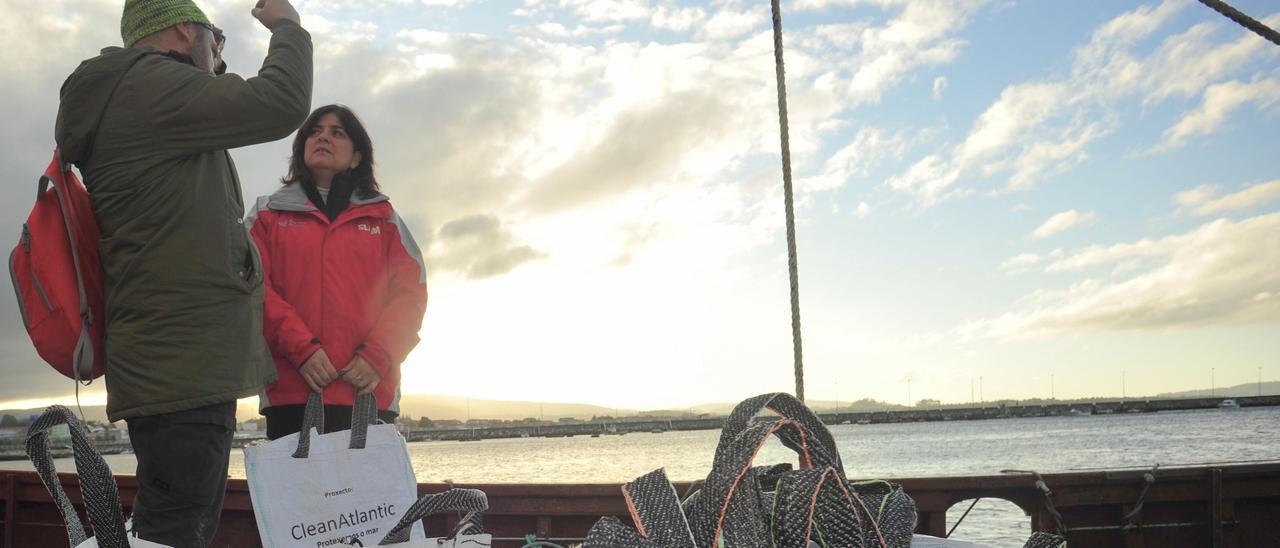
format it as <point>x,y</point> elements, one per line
<point>821,445</point>
<point>452,500</point>
<point>1041,539</point>
<point>889,507</point>
<point>741,506</point>
<point>731,504</point>
<point>655,509</point>
<point>820,498</point>
<point>610,532</point>
<point>97,485</point>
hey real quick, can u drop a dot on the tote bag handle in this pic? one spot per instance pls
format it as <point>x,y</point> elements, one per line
<point>472,501</point>
<point>97,485</point>
<point>364,413</point>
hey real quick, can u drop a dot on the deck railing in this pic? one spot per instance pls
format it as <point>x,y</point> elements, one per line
<point>1231,505</point>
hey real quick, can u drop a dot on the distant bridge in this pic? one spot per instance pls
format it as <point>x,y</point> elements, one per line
<point>983,412</point>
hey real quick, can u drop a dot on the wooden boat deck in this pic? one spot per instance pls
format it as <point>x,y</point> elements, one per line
<point>1221,505</point>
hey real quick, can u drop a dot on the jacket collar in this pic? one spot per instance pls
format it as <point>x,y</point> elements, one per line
<point>291,197</point>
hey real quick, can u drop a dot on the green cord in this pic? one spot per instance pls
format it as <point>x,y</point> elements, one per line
<point>531,541</point>
<point>822,539</point>
<point>773,517</point>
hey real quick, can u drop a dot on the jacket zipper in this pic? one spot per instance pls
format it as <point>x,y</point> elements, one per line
<point>327,226</point>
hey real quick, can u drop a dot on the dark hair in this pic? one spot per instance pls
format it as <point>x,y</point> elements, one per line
<point>361,178</point>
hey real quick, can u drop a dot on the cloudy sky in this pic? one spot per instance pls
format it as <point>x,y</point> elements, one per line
<point>1059,196</point>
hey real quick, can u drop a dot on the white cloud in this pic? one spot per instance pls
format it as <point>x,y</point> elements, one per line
<point>677,19</point>
<point>1062,221</point>
<point>869,148</point>
<point>479,246</point>
<point>1221,273</point>
<point>918,36</point>
<point>1106,66</point>
<point>731,22</point>
<point>643,147</point>
<point>1186,63</point>
<point>861,60</point>
<point>928,180</point>
<point>1190,198</point>
<point>1008,121</point>
<point>1096,255</point>
<point>939,85</point>
<point>558,30</point>
<point>1020,262</point>
<point>26,27</point>
<point>608,10</point>
<point>1220,100</point>
<point>1077,110</point>
<point>1042,158</point>
<point>1203,200</point>
<point>366,5</point>
<point>863,210</point>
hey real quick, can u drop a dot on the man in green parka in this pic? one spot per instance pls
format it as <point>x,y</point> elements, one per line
<point>149,126</point>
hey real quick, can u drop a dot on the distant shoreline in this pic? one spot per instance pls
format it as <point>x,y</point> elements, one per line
<point>991,412</point>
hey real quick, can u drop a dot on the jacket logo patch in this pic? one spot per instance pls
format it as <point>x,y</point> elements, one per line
<point>289,222</point>
<point>362,227</point>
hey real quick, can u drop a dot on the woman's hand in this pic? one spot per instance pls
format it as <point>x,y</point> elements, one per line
<point>318,371</point>
<point>360,375</point>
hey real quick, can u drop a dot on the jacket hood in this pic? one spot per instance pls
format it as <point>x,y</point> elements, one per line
<point>84,97</point>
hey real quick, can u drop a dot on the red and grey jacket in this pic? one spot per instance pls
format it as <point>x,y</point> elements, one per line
<point>353,286</point>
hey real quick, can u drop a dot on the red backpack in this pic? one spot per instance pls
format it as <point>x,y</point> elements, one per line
<point>58,276</point>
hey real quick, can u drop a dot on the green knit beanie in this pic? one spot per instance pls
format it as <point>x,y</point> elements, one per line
<point>143,17</point>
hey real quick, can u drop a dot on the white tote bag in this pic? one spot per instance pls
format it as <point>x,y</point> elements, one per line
<point>134,542</point>
<point>310,489</point>
<point>97,484</point>
<point>466,535</point>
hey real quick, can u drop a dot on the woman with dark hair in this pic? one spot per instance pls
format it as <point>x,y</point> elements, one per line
<point>346,285</point>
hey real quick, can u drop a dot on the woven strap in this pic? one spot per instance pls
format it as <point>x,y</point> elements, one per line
<point>821,445</point>
<point>1040,539</point>
<point>890,508</point>
<point>97,485</point>
<point>655,509</point>
<point>363,413</point>
<point>741,506</point>
<point>817,498</point>
<point>453,500</point>
<point>731,505</point>
<point>312,417</point>
<point>610,532</point>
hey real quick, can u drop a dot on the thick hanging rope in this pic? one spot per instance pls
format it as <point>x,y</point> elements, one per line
<point>1244,20</point>
<point>786,187</point>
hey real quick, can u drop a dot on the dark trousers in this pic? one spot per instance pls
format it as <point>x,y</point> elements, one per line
<point>182,473</point>
<point>283,420</point>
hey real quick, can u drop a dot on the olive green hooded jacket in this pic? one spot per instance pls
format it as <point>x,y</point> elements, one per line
<point>182,280</point>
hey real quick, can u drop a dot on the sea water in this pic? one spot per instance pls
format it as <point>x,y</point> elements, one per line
<point>984,447</point>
